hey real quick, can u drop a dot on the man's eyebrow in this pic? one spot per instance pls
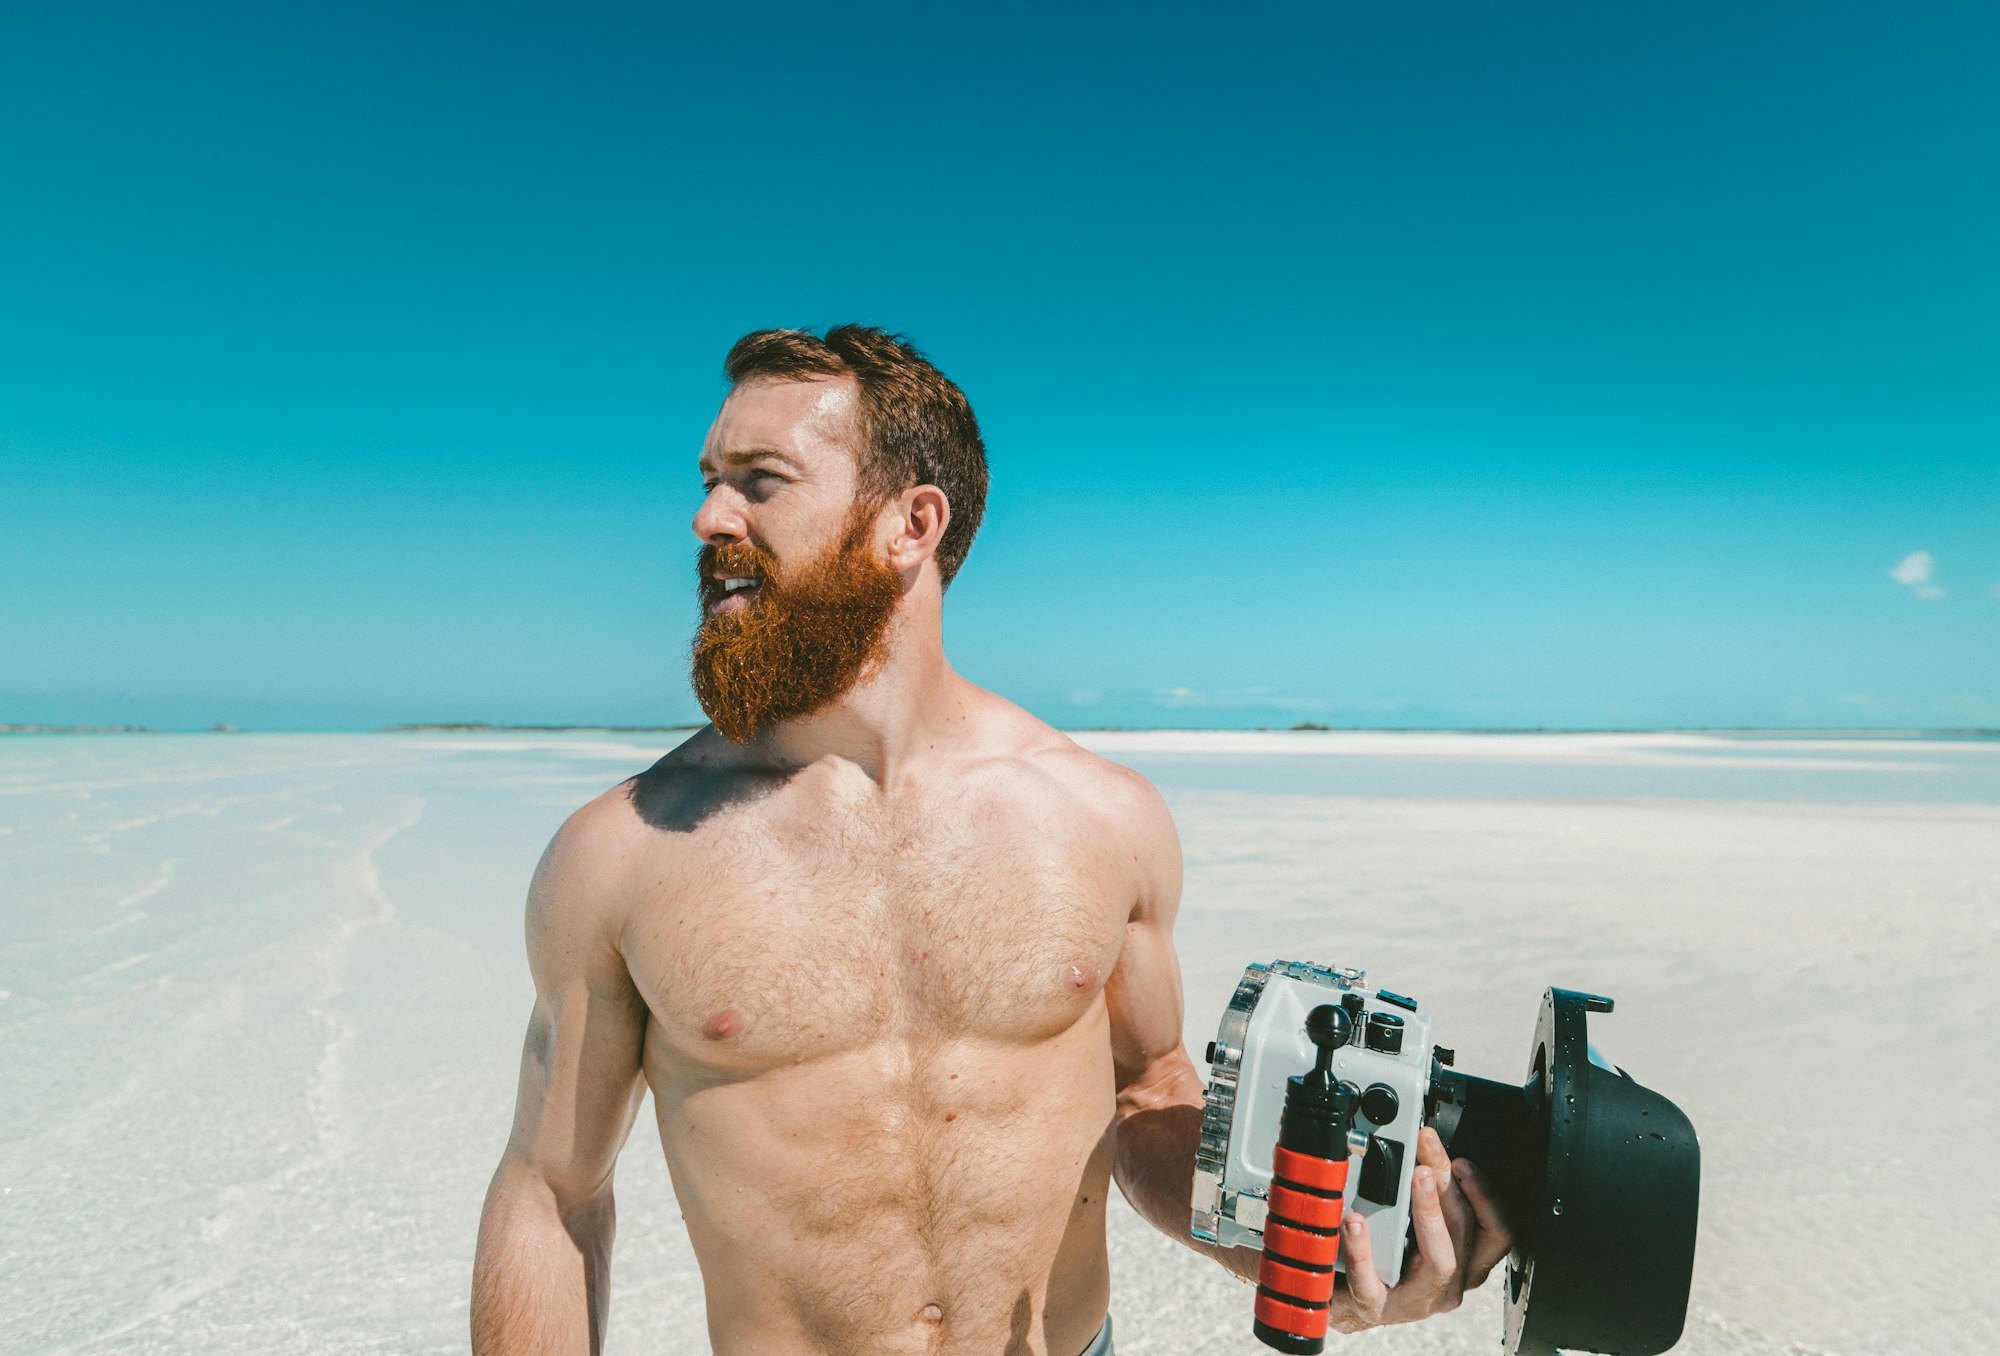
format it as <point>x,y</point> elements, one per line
<point>743,456</point>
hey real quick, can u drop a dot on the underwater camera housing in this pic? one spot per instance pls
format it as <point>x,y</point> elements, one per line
<point>1599,1177</point>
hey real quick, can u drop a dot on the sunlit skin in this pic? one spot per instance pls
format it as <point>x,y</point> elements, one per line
<point>900,976</point>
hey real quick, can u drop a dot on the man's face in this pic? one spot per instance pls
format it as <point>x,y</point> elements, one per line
<point>795,597</point>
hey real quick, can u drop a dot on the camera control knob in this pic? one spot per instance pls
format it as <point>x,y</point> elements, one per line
<point>1380,1104</point>
<point>1385,1033</point>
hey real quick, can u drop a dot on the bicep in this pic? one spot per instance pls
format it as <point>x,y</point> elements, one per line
<point>1144,995</point>
<point>1144,990</point>
<point>580,1081</point>
<point>580,1089</point>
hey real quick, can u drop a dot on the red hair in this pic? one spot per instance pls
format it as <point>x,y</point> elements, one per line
<point>917,426</point>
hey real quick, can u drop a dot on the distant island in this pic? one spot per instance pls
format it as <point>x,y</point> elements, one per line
<point>106,729</point>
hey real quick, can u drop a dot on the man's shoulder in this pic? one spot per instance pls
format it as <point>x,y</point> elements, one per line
<point>1041,754</point>
<point>606,826</point>
<point>687,786</point>
<point>618,849</point>
<point>588,867</point>
<point>1118,810</point>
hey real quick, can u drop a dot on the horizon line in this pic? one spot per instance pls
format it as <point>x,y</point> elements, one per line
<point>1302,727</point>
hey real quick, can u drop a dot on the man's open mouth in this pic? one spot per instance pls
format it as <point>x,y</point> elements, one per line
<point>736,593</point>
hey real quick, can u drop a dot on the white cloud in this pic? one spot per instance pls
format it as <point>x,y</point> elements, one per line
<point>1914,572</point>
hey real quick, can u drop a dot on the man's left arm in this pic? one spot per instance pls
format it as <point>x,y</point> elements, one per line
<point>1160,1096</point>
<point>1459,1229</point>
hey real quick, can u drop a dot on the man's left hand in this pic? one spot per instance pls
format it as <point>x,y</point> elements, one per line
<point>1461,1237</point>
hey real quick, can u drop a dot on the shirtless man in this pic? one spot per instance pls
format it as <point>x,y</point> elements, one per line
<point>894,957</point>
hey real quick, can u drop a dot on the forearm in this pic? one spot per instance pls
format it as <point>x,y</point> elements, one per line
<point>541,1279</point>
<point>1159,1129</point>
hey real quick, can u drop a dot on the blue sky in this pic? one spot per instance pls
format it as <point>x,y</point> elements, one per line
<point>1456,364</point>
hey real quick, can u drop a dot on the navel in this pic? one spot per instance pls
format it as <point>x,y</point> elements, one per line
<point>1079,977</point>
<point>723,1025</point>
<point>932,1313</point>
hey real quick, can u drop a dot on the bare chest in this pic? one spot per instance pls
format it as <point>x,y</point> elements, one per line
<point>799,936</point>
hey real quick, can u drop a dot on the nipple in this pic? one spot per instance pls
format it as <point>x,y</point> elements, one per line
<point>1078,978</point>
<point>723,1025</point>
<point>932,1314</point>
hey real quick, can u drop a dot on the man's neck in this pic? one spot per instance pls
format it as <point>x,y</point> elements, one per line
<point>905,704</point>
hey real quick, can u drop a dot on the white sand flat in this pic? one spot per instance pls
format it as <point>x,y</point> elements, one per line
<point>261,1001</point>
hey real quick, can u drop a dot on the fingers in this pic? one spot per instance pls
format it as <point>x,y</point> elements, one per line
<point>1366,1296</point>
<point>1434,1284</point>
<point>1430,1151</point>
<point>1471,1211</point>
<point>1459,1234</point>
<point>1494,1239</point>
<point>1459,1217</point>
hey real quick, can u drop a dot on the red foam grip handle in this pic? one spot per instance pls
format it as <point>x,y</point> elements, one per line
<point>1313,1287</point>
<point>1322,1174</point>
<point>1299,1207</point>
<point>1290,1317</point>
<point>1301,1245</point>
<point>1293,1298</point>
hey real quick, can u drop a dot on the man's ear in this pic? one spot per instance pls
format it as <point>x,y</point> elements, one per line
<point>923,512</point>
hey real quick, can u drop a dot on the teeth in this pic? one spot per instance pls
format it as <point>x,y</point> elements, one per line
<point>731,585</point>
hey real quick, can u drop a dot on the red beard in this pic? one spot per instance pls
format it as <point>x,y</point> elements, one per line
<point>800,641</point>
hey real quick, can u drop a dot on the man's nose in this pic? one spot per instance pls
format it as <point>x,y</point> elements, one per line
<point>720,521</point>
